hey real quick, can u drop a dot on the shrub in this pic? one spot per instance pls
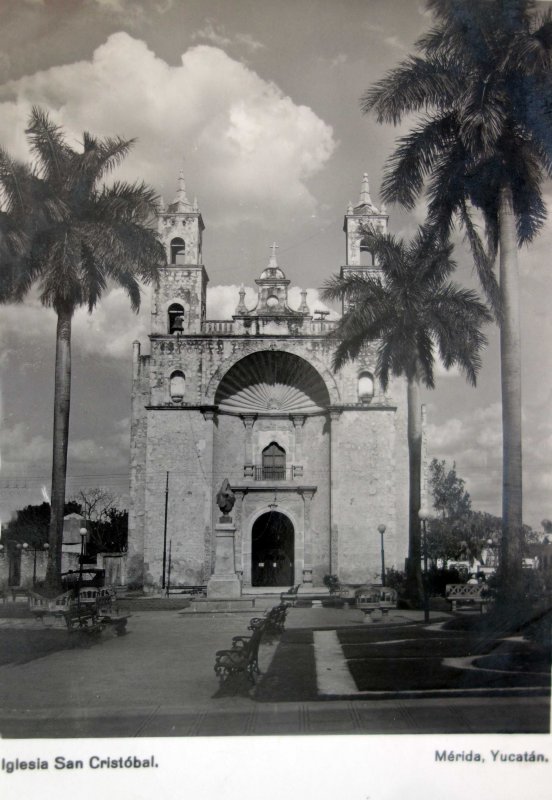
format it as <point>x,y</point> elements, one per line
<point>332,583</point>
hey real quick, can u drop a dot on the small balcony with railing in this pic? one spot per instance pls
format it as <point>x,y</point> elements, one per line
<point>272,473</point>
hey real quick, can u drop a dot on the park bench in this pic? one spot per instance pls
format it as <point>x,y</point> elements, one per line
<point>469,594</point>
<point>373,598</point>
<point>243,656</point>
<point>193,590</point>
<point>290,596</point>
<point>274,619</point>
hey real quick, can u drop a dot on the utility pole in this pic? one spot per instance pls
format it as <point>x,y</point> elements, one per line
<point>165,531</point>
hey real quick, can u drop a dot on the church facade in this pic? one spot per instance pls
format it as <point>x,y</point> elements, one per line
<point>317,460</point>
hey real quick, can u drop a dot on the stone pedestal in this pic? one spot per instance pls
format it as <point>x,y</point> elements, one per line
<point>224,583</point>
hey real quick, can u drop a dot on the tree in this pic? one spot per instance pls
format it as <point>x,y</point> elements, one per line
<point>95,502</point>
<point>483,88</point>
<point>31,523</point>
<point>449,495</point>
<point>110,533</point>
<point>72,237</point>
<point>410,311</point>
<point>107,524</point>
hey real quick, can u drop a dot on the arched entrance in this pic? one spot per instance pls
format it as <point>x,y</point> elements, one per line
<point>272,546</point>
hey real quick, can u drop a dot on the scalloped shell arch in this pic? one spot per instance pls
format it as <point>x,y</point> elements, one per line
<point>272,382</point>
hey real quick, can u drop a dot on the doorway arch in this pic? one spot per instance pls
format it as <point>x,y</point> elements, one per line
<point>272,550</point>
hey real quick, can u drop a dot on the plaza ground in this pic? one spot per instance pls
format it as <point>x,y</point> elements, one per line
<point>329,673</point>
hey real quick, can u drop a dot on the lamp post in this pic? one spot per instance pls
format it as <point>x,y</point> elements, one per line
<point>423,516</point>
<point>381,529</point>
<point>83,533</point>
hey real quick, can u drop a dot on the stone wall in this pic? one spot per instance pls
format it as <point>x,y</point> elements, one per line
<point>180,443</point>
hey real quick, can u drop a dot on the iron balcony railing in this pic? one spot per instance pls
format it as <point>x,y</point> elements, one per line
<point>272,473</point>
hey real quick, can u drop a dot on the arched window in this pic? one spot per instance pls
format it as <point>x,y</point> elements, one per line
<point>365,387</point>
<point>366,256</point>
<point>178,248</point>
<point>274,462</point>
<point>177,386</point>
<point>176,317</point>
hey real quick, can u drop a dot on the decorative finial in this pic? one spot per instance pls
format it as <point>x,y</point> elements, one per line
<point>241,307</point>
<point>196,207</point>
<point>181,199</point>
<point>350,209</point>
<point>303,308</point>
<point>365,199</point>
<point>383,208</point>
<point>273,263</point>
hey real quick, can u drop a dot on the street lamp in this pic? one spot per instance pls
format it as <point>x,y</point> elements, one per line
<point>381,529</point>
<point>423,516</point>
<point>83,533</point>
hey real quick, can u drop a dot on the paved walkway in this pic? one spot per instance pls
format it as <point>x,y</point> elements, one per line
<point>159,681</point>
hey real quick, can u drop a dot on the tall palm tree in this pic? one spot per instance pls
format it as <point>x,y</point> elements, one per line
<point>483,87</point>
<point>411,311</point>
<point>71,237</point>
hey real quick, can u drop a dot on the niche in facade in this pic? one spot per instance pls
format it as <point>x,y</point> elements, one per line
<point>177,386</point>
<point>365,387</point>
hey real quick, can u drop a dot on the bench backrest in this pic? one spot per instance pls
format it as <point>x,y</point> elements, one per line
<point>255,641</point>
<point>468,591</point>
<point>375,595</point>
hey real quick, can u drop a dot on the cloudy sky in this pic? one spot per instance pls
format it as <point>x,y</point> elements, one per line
<point>258,102</point>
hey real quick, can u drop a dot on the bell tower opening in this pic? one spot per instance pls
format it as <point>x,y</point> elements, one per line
<point>272,547</point>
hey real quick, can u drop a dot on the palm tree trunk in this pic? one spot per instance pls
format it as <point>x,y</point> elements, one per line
<point>510,361</point>
<point>414,583</point>
<point>62,396</point>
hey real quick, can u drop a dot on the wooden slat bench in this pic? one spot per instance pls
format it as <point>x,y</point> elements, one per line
<point>469,594</point>
<point>373,598</point>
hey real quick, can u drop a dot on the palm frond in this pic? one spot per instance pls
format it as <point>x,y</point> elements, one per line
<point>48,144</point>
<point>415,158</point>
<point>483,264</point>
<point>416,84</point>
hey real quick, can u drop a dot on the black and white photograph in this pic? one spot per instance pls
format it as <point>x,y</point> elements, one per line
<point>275,391</point>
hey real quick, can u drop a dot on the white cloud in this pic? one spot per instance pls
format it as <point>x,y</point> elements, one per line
<point>396,43</point>
<point>338,61</point>
<point>217,35</point>
<point>108,331</point>
<point>247,147</point>
<point>212,33</point>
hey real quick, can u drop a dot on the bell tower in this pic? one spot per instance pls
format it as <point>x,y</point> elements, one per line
<point>179,300</point>
<point>358,258</point>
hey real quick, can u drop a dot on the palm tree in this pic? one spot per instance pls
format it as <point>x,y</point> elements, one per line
<point>410,310</point>
<point>71,237</point>
<point>483,88</point>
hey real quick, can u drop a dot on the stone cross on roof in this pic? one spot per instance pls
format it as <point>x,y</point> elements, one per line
<point>273,262</point>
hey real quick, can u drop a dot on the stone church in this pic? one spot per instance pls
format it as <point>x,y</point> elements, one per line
<point>317,460</point>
